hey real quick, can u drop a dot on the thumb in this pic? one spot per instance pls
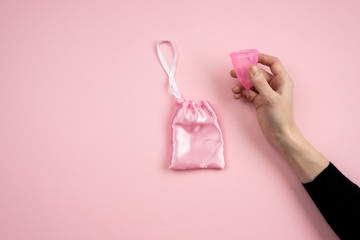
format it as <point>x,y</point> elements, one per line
<point>260,83</point>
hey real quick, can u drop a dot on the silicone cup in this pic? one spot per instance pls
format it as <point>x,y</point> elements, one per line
<point>242,61</point>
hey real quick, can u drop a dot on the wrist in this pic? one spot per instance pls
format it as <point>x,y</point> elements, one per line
<point>289,136</point>
<point>304,159</point>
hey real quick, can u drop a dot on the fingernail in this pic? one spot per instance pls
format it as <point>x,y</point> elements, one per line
<point>254,70</point>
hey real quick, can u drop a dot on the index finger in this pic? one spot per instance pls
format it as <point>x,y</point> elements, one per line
<point>273,62</point>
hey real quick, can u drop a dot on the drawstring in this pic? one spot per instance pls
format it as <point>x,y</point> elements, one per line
<point>170,72</point>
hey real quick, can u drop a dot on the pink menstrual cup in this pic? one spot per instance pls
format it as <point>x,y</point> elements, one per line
<point>242,60</point>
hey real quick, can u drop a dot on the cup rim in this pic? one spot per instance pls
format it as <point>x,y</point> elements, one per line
<point>245,52</point>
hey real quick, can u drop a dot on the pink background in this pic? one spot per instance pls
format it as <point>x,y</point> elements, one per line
<point>85,110</point>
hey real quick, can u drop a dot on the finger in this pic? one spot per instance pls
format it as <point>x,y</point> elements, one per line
<point>237,96</point>
<point>260,83</point>
<point>251,97</point>
<point>237,88</point>
<point>267,75</point>
<point>233,74</point>
<point>273,62</point>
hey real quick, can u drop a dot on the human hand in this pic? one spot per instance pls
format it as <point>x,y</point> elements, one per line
<point>272,97</point>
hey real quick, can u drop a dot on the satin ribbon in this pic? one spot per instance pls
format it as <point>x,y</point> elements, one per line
<point>170,72</point>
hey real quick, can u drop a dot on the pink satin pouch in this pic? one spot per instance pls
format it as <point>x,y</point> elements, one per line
<point>196,140</point>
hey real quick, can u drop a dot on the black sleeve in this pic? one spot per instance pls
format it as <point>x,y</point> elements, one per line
<point>338,200</point>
